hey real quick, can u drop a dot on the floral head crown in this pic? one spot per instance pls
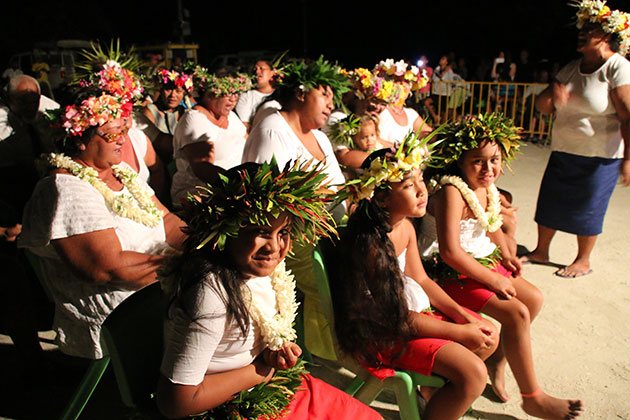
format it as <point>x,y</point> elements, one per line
<point>390,166</point>
<point>613,22</point>
<point>173,78</point>
<point>471,132</point>
<point>219,86</point>
<point>253,193</point>
<point>93,111</point>
<point>409,77</point>
<point>367,85</point>
<point>305,75</point>
<point>113,71</point>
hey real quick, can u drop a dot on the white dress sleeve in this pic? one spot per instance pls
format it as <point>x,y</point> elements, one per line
<point>619,73</point>
<point>193,128</point>
<point>265,143</point>
<point>245,107</point>
<point>62,206</point>
<point>191,338</point>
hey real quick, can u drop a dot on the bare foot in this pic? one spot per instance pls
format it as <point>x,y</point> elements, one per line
<point>547,407</point>
<point>577,269</point>
<point>496,371</point>
<point>535,257</point>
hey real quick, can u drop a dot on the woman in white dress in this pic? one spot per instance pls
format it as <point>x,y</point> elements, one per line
<point>306,93</point>
<point>249,101</point>
<point>98,229</point>
<point>210,134</point>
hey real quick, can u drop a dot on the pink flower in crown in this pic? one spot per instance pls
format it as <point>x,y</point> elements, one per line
<point>93,112</point>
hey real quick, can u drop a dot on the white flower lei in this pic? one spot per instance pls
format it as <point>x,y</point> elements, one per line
<point>278,329</point>
<point>138,206</point>
<point>491,220</point>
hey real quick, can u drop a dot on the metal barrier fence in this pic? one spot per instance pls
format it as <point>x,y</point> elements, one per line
<point>455,99</point>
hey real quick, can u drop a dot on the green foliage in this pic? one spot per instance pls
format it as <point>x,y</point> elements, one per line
<point>309,75</point>
<point>251,194</point>
<point>265,400</point>
<point>471,132</point>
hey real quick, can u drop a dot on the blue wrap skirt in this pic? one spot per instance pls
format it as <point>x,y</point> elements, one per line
<point>575,191</point>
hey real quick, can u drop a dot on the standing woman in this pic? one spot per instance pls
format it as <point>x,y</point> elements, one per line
<point>249,101</point>
<point>210,134</point>
<point>306,91</point>
<point>590,136</point>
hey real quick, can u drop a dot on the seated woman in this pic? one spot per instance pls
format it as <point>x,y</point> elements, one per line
<point>98,229</point>
<point>116,73</point>
<point>210,134</point>
<point>160,117</point>
<point>306,92</point>
<point>229,328</point>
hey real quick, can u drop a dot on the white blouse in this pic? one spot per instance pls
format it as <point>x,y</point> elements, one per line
<point>202,341</point>
<point>195,127</point>
<point>62,206</point>
<point>588,125</point>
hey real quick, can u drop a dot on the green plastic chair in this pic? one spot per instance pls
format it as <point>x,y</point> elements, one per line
<point>132,335</point>
<point>85,389</point>
<point>366,387</point>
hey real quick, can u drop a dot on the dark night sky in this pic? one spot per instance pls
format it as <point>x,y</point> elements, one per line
<point>349,32</point>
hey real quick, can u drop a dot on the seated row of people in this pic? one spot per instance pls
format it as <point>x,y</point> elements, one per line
<point>102,230</point>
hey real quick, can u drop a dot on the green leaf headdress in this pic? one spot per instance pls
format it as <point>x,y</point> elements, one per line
<point>390,165</point>
<point>251,194</point>
<point>471,132</point>
<point>343,131</point>
<point>307,75</point>
<point>221,85</point>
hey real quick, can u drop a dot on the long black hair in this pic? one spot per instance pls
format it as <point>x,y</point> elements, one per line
<point>197,268</point>
<point>367,286</point>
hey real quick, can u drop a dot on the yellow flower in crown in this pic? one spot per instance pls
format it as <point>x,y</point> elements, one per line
<point>614,22</point>
<point>389,165</point>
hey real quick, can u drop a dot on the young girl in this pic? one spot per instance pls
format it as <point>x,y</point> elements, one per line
<point>354,137</point>
<point>229,329</point>
<point>383,297</point>
<point>487,274</point>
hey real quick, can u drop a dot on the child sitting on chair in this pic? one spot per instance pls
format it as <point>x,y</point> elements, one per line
<point>475,265</point>
<point>384,300</point>
<point>229,333</point>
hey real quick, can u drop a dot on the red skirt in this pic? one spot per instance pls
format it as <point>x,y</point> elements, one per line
<point>318,400</point>
<point>418,354</point>
<point>470,293</point>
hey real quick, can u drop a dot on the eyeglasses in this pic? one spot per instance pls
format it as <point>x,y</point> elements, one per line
<point>112,137</point>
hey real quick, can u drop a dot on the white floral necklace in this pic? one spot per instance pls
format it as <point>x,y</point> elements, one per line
<point>277,329</point>
<point>137,205</point>
<point>490,220</point>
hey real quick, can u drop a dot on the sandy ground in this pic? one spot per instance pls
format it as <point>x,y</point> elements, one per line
<point>581,339</point>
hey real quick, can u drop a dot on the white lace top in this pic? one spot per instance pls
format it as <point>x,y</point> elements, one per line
<point>62,206</point>
<point>472,238</point>
<point>417,299</point>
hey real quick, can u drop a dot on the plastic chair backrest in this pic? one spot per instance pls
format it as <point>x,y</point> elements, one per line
<point>321,256</point>
<point>132,335</point>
